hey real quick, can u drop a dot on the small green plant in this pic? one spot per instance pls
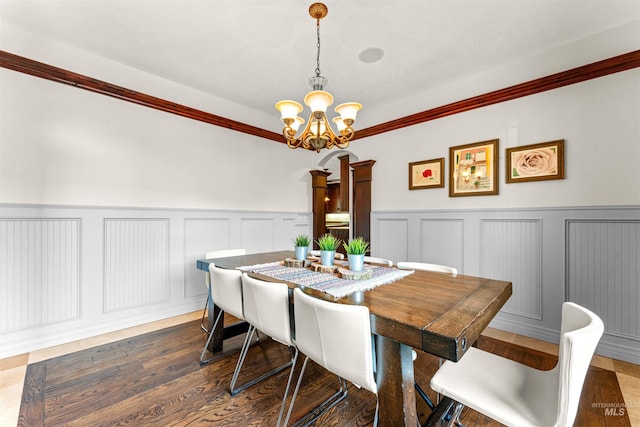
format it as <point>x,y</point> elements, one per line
<point>328,242</point>
<point>302,240</point>
<point>357,246</point>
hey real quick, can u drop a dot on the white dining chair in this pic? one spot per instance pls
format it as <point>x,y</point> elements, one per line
<point>316,253</point>
<point>376,260</point>
<point>347,354</point>
<point>423,266</point>
<point>226,292</point>
<point>207,278</point>
<point>266,308</point>
<point>518,395</point>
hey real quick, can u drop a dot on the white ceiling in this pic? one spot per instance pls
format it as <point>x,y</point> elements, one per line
<point>258,52</point>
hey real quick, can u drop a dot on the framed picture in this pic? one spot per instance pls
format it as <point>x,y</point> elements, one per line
<point>536,162</point>
<point>473,169</point>
<point>426,174</point>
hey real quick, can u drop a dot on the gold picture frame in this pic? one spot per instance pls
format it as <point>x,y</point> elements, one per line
<point>535,162</point>
<point>426,174</point>
<point>473,169</point>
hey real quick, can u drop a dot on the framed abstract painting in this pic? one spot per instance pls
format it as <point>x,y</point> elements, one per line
<point>473,169</point>
<point>536,162</point>
<point>426,174</point>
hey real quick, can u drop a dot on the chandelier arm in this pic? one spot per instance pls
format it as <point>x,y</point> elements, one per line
<point>288,133</point>
<point>342,143</point>
<point>347,134</point>
<point>293,143</point>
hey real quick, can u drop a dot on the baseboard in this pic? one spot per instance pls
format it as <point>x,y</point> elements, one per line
<point>41,337</point>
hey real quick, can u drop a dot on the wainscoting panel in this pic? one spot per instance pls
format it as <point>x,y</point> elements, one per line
<point>389,239</point>
<point>511,250</point>
<point>589,255</point>
<point>39,271</point>
<point>603,272</point>
<point>293,227</point>
<point>136,262</point>
<point>202,235</point>
<point>72,272</point>
<point>442,242</point>
<point>258,234</point>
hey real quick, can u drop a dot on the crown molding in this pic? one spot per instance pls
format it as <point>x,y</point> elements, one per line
<point>602,68</point>
<point>60,75</point>
<point>594,70</point>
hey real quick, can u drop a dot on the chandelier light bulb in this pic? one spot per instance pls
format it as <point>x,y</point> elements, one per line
<point>298,121</point>
<point>348,111</point>
<point>318,100</point>
<point>289,109</point>
<point>339,123</point>
<point>318,127</point>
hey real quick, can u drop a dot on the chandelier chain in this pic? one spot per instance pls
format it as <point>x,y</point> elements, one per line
<point>318,45</point>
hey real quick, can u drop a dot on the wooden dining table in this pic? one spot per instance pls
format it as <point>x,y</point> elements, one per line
<point>437,313</point>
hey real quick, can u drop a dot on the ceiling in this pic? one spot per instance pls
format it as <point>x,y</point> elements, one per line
<point>257,52</point>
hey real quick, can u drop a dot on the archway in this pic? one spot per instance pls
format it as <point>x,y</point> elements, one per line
<point>355,187</point>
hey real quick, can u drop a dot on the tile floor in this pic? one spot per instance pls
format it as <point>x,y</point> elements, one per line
<point>12,369</point>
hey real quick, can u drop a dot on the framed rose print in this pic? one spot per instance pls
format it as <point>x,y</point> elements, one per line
<point>426,174</point>
<point>536,162</point>
<point>473,169</point>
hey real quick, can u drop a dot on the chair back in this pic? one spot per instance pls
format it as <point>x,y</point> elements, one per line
<point>427,267</point>
<point>580,333</point>
<point>222,254</point>
<point>337,337</point>
<point>376,260</point>
<point>266,306</point>
<point>225,253</point>
<point>226,290</point>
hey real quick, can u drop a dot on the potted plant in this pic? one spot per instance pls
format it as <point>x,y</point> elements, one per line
<point>328,244</point>
<point>356,249</point>
<point>302,246</point>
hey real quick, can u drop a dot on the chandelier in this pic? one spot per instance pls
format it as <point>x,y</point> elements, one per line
<point>318,134</point>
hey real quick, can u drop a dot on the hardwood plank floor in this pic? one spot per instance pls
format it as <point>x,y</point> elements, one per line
<point>155,379</point>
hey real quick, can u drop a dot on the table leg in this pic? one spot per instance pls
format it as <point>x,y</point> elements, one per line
<point>221,332</point>
<point>396,392</point>
<point>216,342</point>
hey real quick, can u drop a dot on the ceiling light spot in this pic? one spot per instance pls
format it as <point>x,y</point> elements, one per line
<point>370,55</point>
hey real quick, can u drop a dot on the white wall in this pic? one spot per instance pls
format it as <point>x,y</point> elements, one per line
<point>598,119</point>
<point>61,145</point>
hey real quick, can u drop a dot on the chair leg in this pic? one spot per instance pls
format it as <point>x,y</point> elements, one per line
<point>424,396</point>
<point>204,314</point>
<point>455,415</point>
<point>311,416</point>
<point>294,360</point>
<point>213,328</point>
<point>243,354</point>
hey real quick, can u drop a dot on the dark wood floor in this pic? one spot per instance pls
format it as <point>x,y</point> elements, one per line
<point>155,379</point>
